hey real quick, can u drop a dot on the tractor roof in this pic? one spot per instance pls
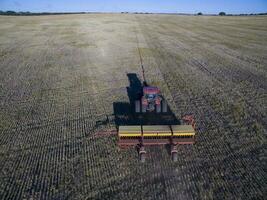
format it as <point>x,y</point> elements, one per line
<point>151,90</point>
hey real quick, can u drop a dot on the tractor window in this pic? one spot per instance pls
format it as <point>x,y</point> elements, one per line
<point>150,96</point>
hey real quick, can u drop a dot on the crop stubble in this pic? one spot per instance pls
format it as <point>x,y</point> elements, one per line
<point>60,76</point>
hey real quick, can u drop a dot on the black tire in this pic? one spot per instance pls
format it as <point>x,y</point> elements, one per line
<point>174,157</point>
<point>158,108</point>
<point>164,106</point>
<point>142,157</point>
<point>137,106</point>
<point>144,107</point>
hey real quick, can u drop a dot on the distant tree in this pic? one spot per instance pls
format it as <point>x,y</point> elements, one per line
<point>222,13</point>
<point>10,12</point>
<point>200,13</point>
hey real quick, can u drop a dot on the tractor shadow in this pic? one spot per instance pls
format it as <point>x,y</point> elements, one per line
<point>124,112</point>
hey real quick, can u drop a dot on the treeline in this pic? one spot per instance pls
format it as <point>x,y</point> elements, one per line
<point>247,14</point>
<point>10,12</point>
<point>224,14</point>
<point>41,13</point>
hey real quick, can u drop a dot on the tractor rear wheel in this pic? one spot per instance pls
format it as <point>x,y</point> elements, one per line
<point>158,108</point>
<point>144,107</point>
<point>137,106</point>
<point>164,106</point>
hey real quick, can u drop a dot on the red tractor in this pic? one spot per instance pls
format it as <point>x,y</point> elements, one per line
<point>151,100</point>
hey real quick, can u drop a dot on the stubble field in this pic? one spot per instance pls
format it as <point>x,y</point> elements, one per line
<point>63,78</point>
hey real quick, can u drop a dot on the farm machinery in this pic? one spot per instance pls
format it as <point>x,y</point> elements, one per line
<point>150,100</point>
<point>150,103</point>
<point>150,122</point>
<point>146,135</point>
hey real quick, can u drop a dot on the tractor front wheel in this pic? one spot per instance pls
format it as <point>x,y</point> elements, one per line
<point>144,107</point>
<point>158,108</point>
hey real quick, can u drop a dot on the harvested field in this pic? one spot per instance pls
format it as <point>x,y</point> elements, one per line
<point>63,78</point>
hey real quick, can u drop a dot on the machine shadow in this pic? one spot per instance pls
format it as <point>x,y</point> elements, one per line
<point>124,112</point>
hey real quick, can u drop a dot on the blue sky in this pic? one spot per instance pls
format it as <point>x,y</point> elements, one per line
<point>184,6</point>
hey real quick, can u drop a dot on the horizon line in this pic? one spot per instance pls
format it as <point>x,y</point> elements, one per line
<point>130,12</point>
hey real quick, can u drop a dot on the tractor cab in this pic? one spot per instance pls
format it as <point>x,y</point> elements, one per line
<point>151,90</point>
<point>151,100</point>
<point>151,95</point>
